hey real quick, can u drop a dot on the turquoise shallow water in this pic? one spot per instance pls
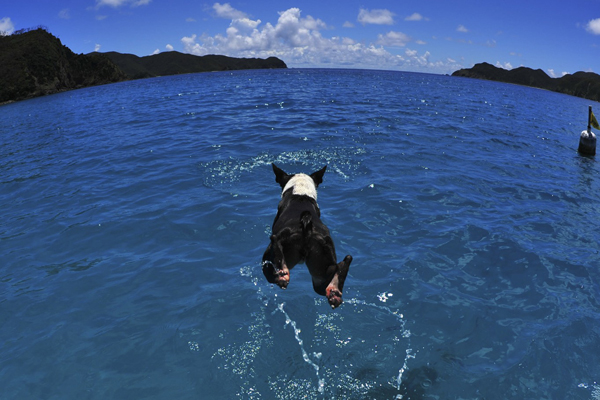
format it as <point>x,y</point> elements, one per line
<point>135,216</point>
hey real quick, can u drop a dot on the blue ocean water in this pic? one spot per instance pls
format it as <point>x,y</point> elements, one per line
<point>135,215</point>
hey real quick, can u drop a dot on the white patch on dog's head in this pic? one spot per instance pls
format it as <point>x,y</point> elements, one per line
<point>303,185</point>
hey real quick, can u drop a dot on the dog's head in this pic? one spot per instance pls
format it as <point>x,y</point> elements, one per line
<point>301,184</point>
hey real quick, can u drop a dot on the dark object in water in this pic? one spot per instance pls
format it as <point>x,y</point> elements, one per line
<point>587,141</point>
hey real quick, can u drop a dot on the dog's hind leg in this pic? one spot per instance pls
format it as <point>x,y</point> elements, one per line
<point>274,266</point>
<point>333,292</point>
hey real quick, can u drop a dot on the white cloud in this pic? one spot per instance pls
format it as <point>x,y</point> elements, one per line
<point>291,33</point>
<point>376,17</point>
<point>64,14</point>
<point>348,24</point>
<point>190,20</point>
<point>298,41</point>
<point>552,73</point>
<point>393,39</point>
<point>119,3</point>
<point>415,17</point>
<point>112,3</point>
<point>97,47</point>
<point>506,65</point>
<point>156,52</point>
<point>190,45</point>
<point>6,26</point>
<point>228,12</point>
<point>462,28</point>
<point>169,47</point>
<point>593,26</point>
<point>245,23</point>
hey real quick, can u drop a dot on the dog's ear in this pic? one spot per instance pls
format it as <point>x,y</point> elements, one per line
<point>317,177</point>
<point>281,176</point>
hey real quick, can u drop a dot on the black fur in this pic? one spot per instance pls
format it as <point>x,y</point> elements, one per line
<point>299,236</point>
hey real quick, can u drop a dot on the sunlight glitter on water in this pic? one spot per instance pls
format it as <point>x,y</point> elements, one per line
<point>135,216</point>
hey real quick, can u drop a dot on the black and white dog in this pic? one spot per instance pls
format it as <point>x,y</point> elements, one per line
<point>299,236</point>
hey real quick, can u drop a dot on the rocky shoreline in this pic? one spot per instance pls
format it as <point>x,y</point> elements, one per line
<point>579,84</point>
<point>35,63</point>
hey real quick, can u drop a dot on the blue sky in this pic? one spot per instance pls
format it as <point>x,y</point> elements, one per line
<point>438,36</point>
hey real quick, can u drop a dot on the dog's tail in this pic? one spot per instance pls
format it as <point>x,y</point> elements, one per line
<point>306,222</point>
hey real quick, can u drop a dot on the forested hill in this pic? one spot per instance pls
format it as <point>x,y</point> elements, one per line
<point>33,63</point>
<point>580,84</point>
<point>173,63</point>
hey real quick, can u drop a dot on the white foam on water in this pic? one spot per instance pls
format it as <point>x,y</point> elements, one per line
<point>595,389</point>
<point>305,356</point>
<point>405,334</point>
<point>229,171</point>
<point>349,351</point>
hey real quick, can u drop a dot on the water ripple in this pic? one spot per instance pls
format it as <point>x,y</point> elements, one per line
<point>135,216</point>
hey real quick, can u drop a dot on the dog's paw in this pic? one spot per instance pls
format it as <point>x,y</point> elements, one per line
<point>334,297</point>
<point>282,278</point>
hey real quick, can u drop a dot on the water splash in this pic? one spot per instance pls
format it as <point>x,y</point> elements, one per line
<point>289,321</point>
<point>350,351</point>
<point>225,172</point>
<point>596,392</point>
<point>595,389</point>
<point>405,333</point>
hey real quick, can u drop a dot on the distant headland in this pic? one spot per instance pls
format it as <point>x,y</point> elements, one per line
<point>580,84</point>
<point>34,63</point>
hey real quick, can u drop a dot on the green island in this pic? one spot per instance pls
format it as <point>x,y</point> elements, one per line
<point>579,84</point>
<point>33,63</point>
